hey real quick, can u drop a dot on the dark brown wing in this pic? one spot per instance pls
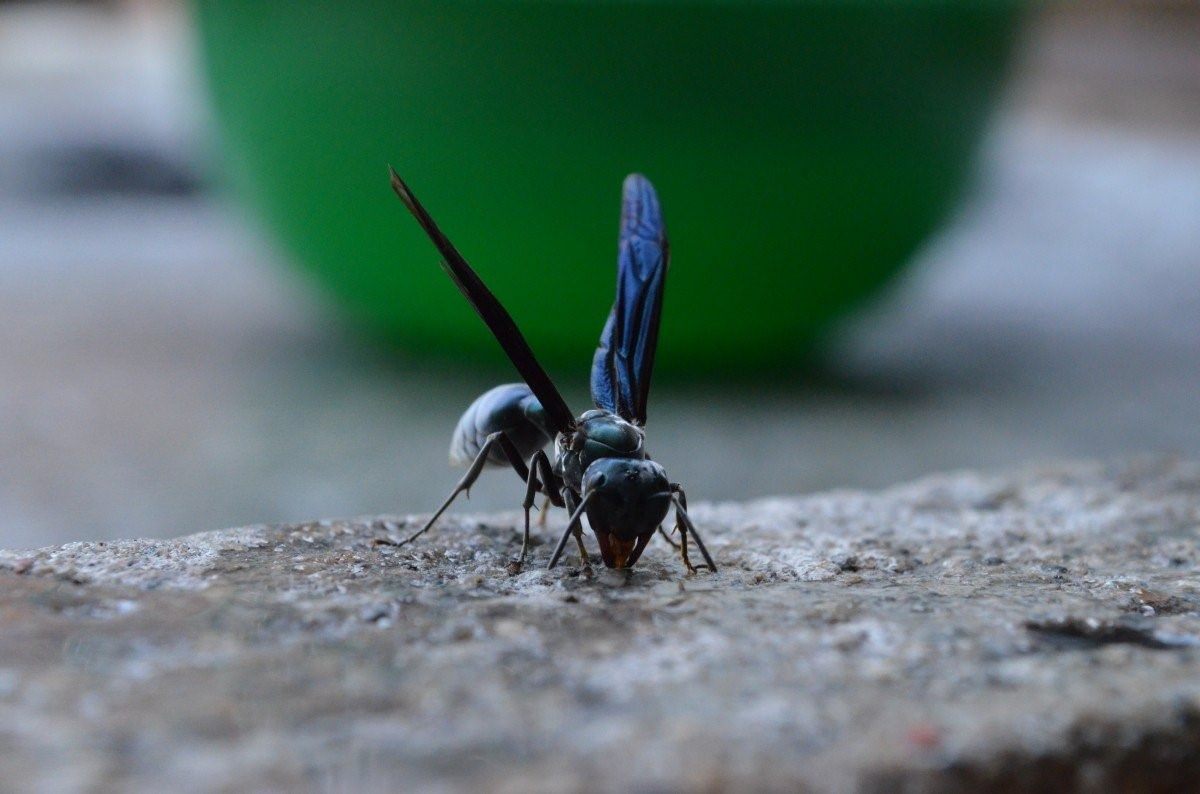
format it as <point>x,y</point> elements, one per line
<point>487,307</point>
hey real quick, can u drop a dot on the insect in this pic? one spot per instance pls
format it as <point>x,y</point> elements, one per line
<point>600,465</point>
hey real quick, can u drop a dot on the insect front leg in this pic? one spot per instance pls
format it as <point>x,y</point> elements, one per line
<point>576,509</point>
<point>667,537</point>
<point>684,524</point>
<point>576,514</point>
<point>569,498</point>
<point>549,484</point>
<point>468,479</point>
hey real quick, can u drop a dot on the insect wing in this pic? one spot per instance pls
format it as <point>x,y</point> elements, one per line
<point>624,360</point>
<point>497,318</point>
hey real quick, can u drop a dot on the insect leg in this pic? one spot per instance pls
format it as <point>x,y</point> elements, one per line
<point>562,542</point>
<point>544,513</point>
<point>667,537</point>
<point>569,498</point>
<point>468,479</point>
<point>539,466</point>
<point>685,525</point>
<point>681,529</point>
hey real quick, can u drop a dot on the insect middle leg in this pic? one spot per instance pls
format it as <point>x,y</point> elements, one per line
<point>468,479</point>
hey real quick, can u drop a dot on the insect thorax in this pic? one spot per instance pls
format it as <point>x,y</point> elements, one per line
<point>597,434</point>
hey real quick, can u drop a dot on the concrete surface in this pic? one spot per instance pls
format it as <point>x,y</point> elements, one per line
<point>966,632</point>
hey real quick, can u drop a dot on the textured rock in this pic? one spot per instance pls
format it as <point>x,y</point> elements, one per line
<point>961,632</point>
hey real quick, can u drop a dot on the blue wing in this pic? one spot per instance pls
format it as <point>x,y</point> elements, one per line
<point>624,360</point>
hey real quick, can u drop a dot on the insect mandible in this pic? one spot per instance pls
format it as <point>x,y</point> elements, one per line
<point>600,465</point>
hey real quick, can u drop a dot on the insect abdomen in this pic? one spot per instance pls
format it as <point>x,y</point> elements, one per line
<point>511,408</point>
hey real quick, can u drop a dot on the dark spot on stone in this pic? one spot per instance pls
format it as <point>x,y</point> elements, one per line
<point>1072,633</point>
<point>1159,602</point>
<point>374,613</point>
<point>1056,572</point>
<point>849,563</point>
<point>996,500</point>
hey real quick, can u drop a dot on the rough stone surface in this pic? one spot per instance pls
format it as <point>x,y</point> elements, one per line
<point>1036,628</point>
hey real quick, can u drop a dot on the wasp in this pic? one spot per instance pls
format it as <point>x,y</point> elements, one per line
<point>601,468</point>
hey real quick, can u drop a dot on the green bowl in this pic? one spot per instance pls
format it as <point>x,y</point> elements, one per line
<point>801,151</point>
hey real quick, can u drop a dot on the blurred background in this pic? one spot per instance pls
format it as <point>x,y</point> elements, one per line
<point>171,358</point>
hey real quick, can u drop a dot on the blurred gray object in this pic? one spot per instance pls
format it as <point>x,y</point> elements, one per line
<point>159,374</point>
